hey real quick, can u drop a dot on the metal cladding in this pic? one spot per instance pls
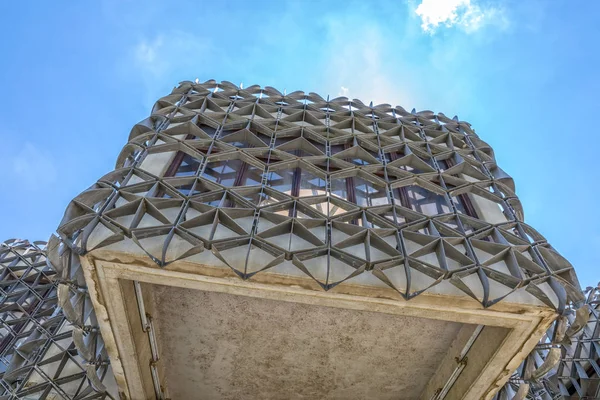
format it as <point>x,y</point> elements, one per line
<point>566,362</point>
<point>413,198</point>
<point>39,357</point>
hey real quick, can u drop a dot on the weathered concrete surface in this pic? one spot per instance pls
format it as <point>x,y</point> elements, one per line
<point>221,346</point>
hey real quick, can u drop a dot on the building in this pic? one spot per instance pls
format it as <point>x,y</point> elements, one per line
<point>566,359</point>
<point>41,356</point>
<point>258,244</point>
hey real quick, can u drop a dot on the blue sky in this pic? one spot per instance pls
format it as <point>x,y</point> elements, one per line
<point>75,76</point>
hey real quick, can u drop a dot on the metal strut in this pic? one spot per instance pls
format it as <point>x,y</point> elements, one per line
<point>461,363</point>
<point>148,327</point>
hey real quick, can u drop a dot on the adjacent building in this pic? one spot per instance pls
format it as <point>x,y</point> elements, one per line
<point>41,356</point>
<point>258,244</point>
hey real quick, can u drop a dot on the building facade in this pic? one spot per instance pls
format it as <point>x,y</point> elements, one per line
<point>41,352</point>
<point>258,244</point>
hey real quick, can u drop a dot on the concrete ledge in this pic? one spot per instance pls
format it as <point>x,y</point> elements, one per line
<point>508,334</point>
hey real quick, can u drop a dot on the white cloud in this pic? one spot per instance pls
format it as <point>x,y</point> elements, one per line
<point>146,52</point>
<point>465,14</point>
<point>33,166</point>
<point>163,60</point>
<point>357,52</point>
<point>147,57</point>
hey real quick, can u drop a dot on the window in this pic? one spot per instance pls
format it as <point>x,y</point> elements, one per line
<point>232,173</point>
<point>462,202</point>
<point>183,165</point>
<point>425,201</point>
<point>297,180</point>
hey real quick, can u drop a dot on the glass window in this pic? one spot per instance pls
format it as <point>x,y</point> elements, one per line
<point>232,173</point>
<point>359,191</point>
<point>296,182</point>
<point>421,200</point>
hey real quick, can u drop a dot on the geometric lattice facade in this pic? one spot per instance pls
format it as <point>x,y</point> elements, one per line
<point>337,187</point>
<point>256,191</point>
<point>578,373</point>
<point>565,364</point>
<point>39,358</point>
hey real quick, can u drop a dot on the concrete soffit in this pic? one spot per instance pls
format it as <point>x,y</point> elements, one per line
<point>490,345</point>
